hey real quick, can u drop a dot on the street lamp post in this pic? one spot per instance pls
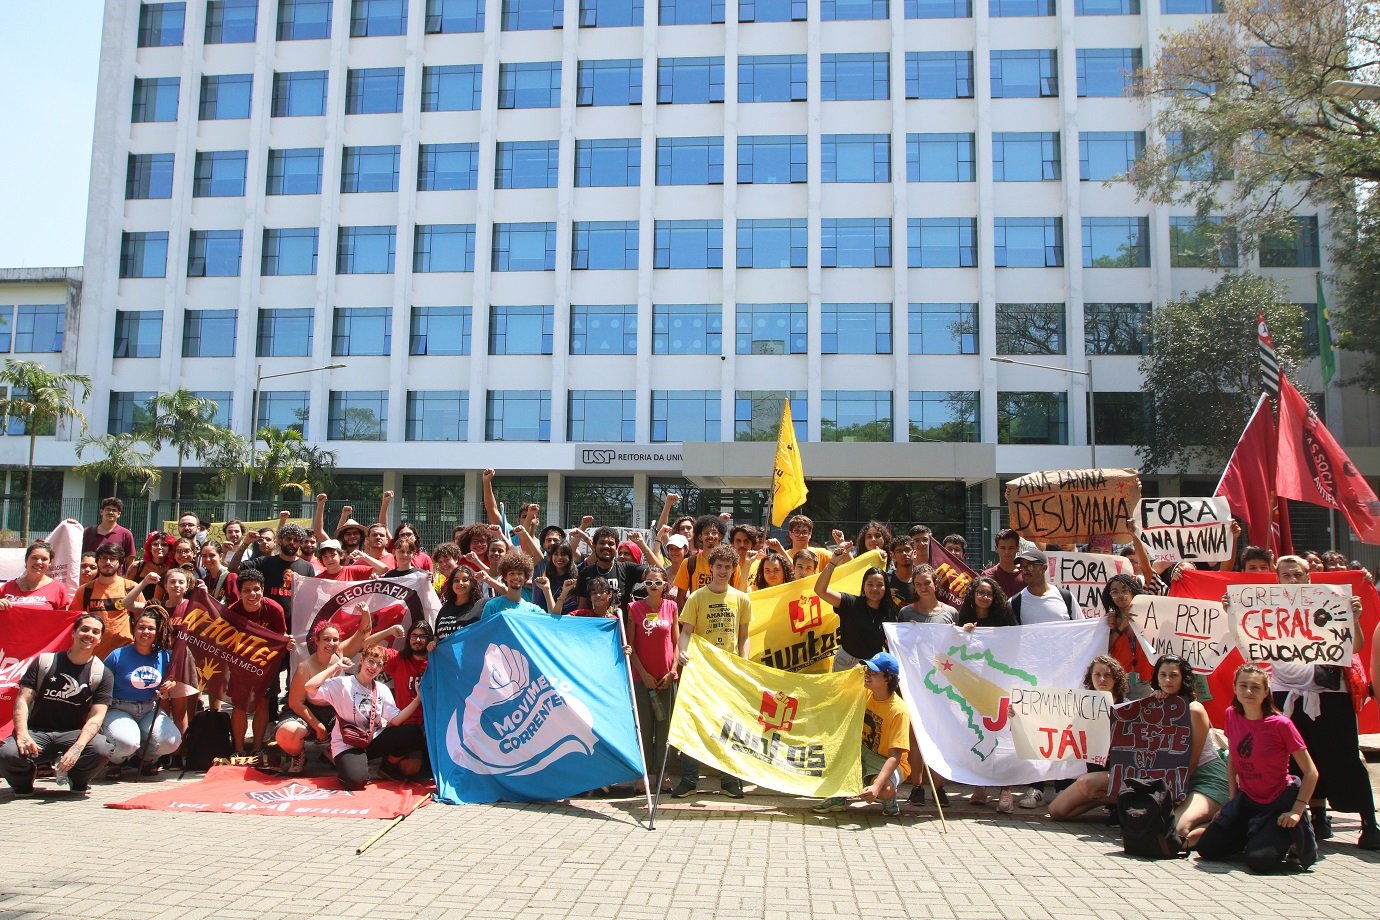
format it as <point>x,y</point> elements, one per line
<point>1352,89</point>
<point>1092,410</point>
<point>254,412</point>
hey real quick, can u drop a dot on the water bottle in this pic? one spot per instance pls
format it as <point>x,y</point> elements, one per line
<point>60,778</point>
<point>658,707</point>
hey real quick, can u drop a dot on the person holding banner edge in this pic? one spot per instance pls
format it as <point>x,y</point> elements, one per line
<point>886,737</point>
<point>860,616</point>
<point>1208,789</point>
<point>1090,790</point>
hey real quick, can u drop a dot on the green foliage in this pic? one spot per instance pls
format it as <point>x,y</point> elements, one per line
<point>40,398</point>
<point>186,423</point>
<point>125,458</point>
<point>287,463</point>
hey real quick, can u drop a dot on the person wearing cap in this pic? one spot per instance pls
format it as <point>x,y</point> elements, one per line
<point>885,739</point>
<point>1041,601</point>
<point>330,554</point>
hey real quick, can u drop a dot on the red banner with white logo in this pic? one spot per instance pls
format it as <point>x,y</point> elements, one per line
<point>1313,467</point>
<point>223,654</point>
<point>24,635</point>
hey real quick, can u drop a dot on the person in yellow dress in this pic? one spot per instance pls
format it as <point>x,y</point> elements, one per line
<point>885,740</point>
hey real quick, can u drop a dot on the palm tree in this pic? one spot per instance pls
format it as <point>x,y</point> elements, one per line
<point>123,457</point>
<point>185,422</point>
<point>287,461</point>
<point>40,398</point>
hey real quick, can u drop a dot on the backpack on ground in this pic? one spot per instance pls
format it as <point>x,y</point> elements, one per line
<point>208,737</point>
<point>1146,812</point>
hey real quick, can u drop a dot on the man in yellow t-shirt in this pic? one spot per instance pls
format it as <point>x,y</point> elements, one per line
<point>885,739</point>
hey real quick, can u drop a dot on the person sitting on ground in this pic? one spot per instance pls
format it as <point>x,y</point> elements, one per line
<point>33,589</point>
<point>1207,775</point>
<point>886,738</point>
<point>1090,790</point>
<point>134,724</point>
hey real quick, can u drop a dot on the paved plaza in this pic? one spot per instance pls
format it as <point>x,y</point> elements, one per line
<point>766,856</point>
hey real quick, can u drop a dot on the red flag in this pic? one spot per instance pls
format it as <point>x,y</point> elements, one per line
<point>1248,481</point>
<point>952,576</point>
<point>223,654</point>
<point>1313,467</point>
<point>25,633</point>
<point>246,791</point>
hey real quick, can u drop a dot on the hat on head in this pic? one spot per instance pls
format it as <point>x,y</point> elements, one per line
<point>327,544</point>
<point>632,549</point>
<point>1032,555</point>
<point>349,524</point>
<point>884,663</point>
<point>678,540</point>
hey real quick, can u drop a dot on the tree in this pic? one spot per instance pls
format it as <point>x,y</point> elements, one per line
<point>186,423</point>
<point>1203,375</point>
<point>1247,132</point>
<point>286,461</point>
<point>123,457</point>
<point>40,398</point>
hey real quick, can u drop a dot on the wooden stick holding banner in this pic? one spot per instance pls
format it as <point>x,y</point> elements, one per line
<point>1303,624</point>
<point>390,825</point>
<point>637,721</point>
<point>939,806</point>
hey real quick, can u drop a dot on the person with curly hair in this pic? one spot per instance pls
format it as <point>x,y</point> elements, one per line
<point>134,723</point>
<point>1208,789</point>
<point>1090,790</point>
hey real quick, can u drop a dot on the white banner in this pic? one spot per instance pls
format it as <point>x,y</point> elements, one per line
<point>1191,529</point>
<point>1197,631</point>
<point>1085,575</point>
<point>1296,624</point>
<point>1052,724</point>
<point>66,543</point>
<point>403,599</point>
<point>958,687</point>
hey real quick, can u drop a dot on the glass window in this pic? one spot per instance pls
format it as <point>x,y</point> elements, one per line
<point>366,250</point>
<point>771,78</point>
<point>369,169</point>
<point>854,76</point>
<point>1296,250</point>
<point>942,242</point>
<point>689,161</point>
<point>1032,418</point>
<point>144,255</point>
<point>39,328</point>
<point>690,12</point>
<point>301,93</point>
<point>757,414</point>
<point>443,248</point>
<point>138,333</point>
<point>855,415</point>
<point>529,86</point>
<point>940,158</point>
<point>687,329</point>
<point>447,167</point>
<point>1194,157</point>
<point>527,164</point>
<point>518,415</point>
<point>373,90</point>
<point>289,251</point>
<point>606,329</point>
<point>1030,329</point>
<point>285,410</point>
<point>223,402</point>
<point>1201,243</point>
<point>1025,156</point>
<point>285,333</point>
<point>214,254</point>
<point>999,8</point>
<point>295,171</point>
<point>303,19</point>
<point>149,175</point>
<point>681,81</point>
<point>357,415</point>
<point>440,331</point>
<point>770,329</point>
<point>855,242</point>
<point>155,99</point>
<point>611,82</point>
<point>127,412</point>
<point>225,96</point>
<point>939,74</point>
<point>609,162</point>
<point>939,9</point>
<point>1190,6</point>
<point>856,157</point>
<point>1116,328</point>
<point>527,247</point>
<point>1028,242</point>
<point>362,331</point>
<point>209,334</point>
<point>771,10</point>
<point>1107,71</point>
<point>437,415</point>
<point>943,328</point>
<point>1106,155</point>
<point>685,415</point>
<point>525,330</point>
<point>1122,418</point>
<point>378,17</point>
<point>610,13</point>
<point>451,88</point>
<point>602,415</point>
<point>219,174</point>
<point>771,159</point>
<point>525,15</point>
<point>772,243</point>
<point>831,10</point>
<point>605,245</point>
<point>945,415</point>
<point>689,244</point>
<point>448,16</point>
<point>230,21</point>
<point>161,24</point>
<point>1025,74</point>
<point>1116,242</point>
<point>855,328</point>
<point>1106,7</point>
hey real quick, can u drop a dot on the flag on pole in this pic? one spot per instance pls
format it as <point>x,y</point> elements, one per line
<point>1327,360</point>
<point>1248,482</point>
<point>788,491</point>
<point>1269,360</point>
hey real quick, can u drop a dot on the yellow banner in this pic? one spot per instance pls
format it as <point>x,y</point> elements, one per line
<point>796,733</point>
<point>793,628</point>
<point>217,530</point>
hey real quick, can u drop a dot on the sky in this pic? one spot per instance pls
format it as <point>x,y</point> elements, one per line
<point>49,53</point>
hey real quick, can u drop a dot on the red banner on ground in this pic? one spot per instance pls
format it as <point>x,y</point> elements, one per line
<point>223,654</point>
<point>244,790</point>
<point>24,635</point>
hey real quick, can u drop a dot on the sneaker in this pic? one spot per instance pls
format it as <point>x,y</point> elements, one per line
<point>979,796</point>
<point>943,795</point>
<point>1322,823</point>
<point>152,768</point>
<point>294,764</point>
<point>1370,837</point>
<point>891,808</point>
<point>917,796</point>
<point>732,788</point>
<point>79,792</point>
<point>1033,798</point>
<point>830,804</point>
<point>1006,803</point>
<point>113,771</point>
<point>684,788</point>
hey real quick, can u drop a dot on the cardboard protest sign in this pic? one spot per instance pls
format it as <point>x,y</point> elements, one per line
<point>1185,529</point>
<point>1299,624</point>
<point>1150,741</point>
<point>952,576</point>
<point>1074,506</point>
<point>1197,631</point>
<point>1053,724</point>
<point>1085,575</point>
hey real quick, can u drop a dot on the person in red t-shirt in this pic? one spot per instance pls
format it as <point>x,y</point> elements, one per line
<point>34,589</point>
<point>1006,572</point>
<point>109,530</point>
<point>406,667</point>
<point>652,632</point>
<point>328,553</point>
<point>253,606</point>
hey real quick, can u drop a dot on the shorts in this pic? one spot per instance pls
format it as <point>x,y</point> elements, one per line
<point>872,764</point>
<point>1210,779</point>
<point>324,714</point>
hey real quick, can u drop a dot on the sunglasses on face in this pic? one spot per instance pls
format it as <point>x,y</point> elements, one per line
<point>655,584</point>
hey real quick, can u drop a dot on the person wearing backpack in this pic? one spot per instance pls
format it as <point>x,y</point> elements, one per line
<point>1041,601</point>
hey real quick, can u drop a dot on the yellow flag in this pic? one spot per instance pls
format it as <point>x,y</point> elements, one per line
<point>217,530</point>
<point>793,628</point>
<point>796,733</point>
<point>788,490</point>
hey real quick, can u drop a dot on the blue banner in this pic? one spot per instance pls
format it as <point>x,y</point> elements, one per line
<point>526,707</point>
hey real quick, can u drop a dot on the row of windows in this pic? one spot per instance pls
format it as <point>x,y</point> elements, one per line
<point>235,21</point>
<point>932,242</point>
<point>32,328</point>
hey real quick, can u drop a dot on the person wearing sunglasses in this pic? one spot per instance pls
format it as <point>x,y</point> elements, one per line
<point>651,625</point>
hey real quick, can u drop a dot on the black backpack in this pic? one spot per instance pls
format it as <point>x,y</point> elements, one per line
<point>1064,593</point>
<point>208,737</point>
<point>1146,812</point>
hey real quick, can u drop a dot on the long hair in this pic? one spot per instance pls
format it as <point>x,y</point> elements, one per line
<point>1188,688</point>
<point>1126,581</point>
<point>162,637</point>
<point>422,627</point>
<point>760,581</point>
<point>998,615</point>
<point>1267,705</point>
<point>1119,679</point>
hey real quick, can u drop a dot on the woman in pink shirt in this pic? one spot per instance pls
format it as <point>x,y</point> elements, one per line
<point>34,589</point>
<point>652,632</point>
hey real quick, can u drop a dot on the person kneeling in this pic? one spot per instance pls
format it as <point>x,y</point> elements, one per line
<point>886,738</point>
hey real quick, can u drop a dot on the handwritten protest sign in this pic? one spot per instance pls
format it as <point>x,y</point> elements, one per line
<point>1074,506</point>
<point>952,576</point>
<point>1150,741</point>
<point>1085,575</point>
<point>1051,724</point>
<point>1197,631</point>
<point>1302,624</point>
<point>1190,529</point>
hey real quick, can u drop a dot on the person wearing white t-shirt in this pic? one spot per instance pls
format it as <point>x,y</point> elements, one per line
<point>1041,602</point>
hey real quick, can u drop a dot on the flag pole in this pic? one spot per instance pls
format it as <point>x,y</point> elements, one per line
<point>935,792</point>
<point>637,722</point>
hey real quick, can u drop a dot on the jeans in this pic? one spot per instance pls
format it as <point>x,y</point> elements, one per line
<point>19,769</point>
<point>1244,825</point>
<point>127,726</point>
